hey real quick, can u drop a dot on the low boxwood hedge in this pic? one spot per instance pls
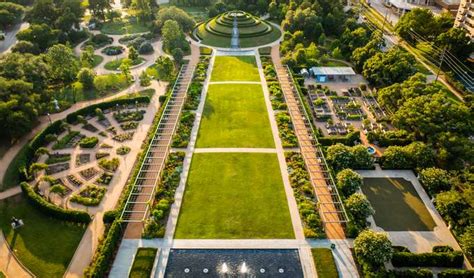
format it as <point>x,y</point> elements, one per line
<point>456,273</point>
<point>410,273</point>
<point>78,216</point>
<point>348,140</point>
<point>435,259</point>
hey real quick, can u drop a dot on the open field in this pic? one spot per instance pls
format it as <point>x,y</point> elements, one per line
<point>44,245</point>
<point>397,205</point>
<point>234,196</point>
<point>235,68</point>
<point>235,116</point>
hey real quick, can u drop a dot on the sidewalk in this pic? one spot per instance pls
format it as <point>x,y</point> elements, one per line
<point>8,262</point>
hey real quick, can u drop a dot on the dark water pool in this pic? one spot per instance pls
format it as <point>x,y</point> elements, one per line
<point>234,263</point>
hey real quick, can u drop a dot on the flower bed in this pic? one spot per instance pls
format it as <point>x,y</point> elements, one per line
<point>104,179</point>
<point>123,137</point>
<point>100,155</point>
<point>129,116</point>
<point>89,173</point>
<point>70,140</point>
<point>304,195</point>
<point>74,181</point>
<point>183,134</point>
<point>113,50</point>
<point>123,150</point>
<point>285,129</point>
<point>90,128</point>
<point>109,164</point>
<point>56,168</point>
<point>129,125</point>
<point>82,159</point>
<point>57,158</point>
<point>88,142</point>
<point>91,195</point>
<point>164,197</point>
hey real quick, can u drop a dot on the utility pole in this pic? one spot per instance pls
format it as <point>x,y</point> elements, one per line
<point>441,63</point>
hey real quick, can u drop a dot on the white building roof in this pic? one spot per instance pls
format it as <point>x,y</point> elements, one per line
<point>333,71</point>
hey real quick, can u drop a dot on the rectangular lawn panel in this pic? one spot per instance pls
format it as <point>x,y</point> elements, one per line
<point>398,207</point>
<point>235,68</point>
<point>44,245</point>
<point>143,263</point>
<point>324,262</point>
<point>234,196</point>
<point>235,116</point>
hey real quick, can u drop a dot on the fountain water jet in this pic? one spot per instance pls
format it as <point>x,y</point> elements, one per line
<point>225,268</point>
<point>243,268</point>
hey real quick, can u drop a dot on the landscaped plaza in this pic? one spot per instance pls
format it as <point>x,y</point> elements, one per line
<point>233,139</point>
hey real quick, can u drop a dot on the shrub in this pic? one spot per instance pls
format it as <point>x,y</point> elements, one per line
<point>341,157</point>
<point>411,273</point>
<point>456,273</point>
<point>105,252</point>
<point>373,249</point>
<point>437,259</point>
<point>348,182</point>
<point>91,195</point>
<point>359,207</point>
<point>434,180</point>
<point>110,216</point>
<point>109,165</point>
<point>145,48</point>
<point>442,248</point>
<point>414,155</point>
<point>53,210</point>
<point>450,204</point>
<point>89,142</point>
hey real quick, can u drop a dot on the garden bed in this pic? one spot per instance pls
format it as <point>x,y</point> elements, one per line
<point>91,195</point>
<point>57,158</point>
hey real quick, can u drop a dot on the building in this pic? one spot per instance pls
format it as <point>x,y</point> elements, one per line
<point>328,74</point>
<point>448,5</point>
<point>403,6</point>
<point>465,17</point>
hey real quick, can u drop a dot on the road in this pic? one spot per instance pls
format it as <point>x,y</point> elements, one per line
<point>10,37</point>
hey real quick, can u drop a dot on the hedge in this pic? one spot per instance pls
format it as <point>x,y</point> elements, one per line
<point>435,259</point>
<point>456,273</point>
<point>105,252</point>
<point>78,216</point>
<point>410,273</point>
<point>90,110</point>
<point>346,140</point>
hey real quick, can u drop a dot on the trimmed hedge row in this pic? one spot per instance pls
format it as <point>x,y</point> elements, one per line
<point>90,110</point>
<point>346,140</point>
<point>456,273</point>
<point>105,252</point>
<point>410,273</point>
<point>78,216</point>
<point>435,259</point>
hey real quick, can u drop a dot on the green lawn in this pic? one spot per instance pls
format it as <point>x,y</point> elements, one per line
<point>122,27</point>
<point>235,116</point>
<point>44,245</point>
<point>398,207</point>
<point>235,68</point>
<point>115,64</point>
<point>324,262</point>
<point>12,174</point>
<point>234,196</point>
<point>143,263</point>
<point>97,60</point>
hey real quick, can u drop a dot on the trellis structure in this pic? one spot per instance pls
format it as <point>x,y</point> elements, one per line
<point>330,205</point>
<point>143,191</point>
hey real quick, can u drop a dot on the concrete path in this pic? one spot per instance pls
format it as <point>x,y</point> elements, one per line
<point>10,37</point>
<point>86,249</point>
<point>9,264</point>
<point>10,192</point>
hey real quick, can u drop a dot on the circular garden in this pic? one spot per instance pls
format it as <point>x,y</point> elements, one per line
<point>253,31</point>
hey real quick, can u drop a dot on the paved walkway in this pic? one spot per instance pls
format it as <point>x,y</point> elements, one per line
<point>86,249</point>
<point>9,265</point>
<point>10,192</point>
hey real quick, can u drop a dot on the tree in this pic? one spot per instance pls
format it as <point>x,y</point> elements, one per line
<point>435,180</point>
<point>417,21</point>
<point>36,167</point>
<point>144,8</point>
<point>99,8</point>
<point>362,54</point>
<point>86,77</point>
<point>25,47</point>
<point>362,158</point>
<point>145,80</point>
<point>87,57</point>
<point>450,205</point>
<point>173,37</point>
<point>373,249</point>
<point>41,151</point>
<point>10,13</point>
<point>63,62</point>
<point>359,207</point>
<point>467,241</point>
<point>40,35</point>
<point>125,69</point>
<point>164,68</point>
<point>43,12</point>
<point>340,157</point>
<point>394,66</point>
<point>133,54</point>
<point>457,41</point>
<point>57,189</point>
<point>185,22</point>
<point>50,138</point>
<point>348,182</point>
<point>178,55</point>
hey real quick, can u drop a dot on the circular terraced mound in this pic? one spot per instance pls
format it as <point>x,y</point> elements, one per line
<point>253,31</point>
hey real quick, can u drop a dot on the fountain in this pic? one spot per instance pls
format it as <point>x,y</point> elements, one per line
<point>224,268</point>
<point>243,268</point>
